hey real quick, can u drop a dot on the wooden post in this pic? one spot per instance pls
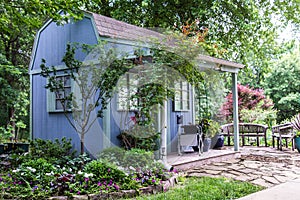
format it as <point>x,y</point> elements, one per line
<point>235,111</point>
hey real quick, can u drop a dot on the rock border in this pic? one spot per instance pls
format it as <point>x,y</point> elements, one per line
<point>152,189</point>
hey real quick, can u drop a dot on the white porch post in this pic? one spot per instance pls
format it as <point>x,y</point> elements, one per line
<point>235,111</point>
<point>164,132</point>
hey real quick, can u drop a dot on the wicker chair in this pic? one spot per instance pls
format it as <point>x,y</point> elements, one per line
<point>283,132</point>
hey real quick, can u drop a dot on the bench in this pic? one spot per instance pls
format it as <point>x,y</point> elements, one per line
<point>246,130</point>
<point>283,132</point>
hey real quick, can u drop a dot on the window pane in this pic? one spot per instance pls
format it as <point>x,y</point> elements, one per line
<point>185,95</point>
<point>67,92</point>
<point>178,105</point>
<point>185,105</point>
<point>60,94</point>
<point>67,81</point>
<point>58,105</point>
<point>182,96</point>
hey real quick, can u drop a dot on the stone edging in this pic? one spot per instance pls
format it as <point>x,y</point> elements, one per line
<point>153,189</point>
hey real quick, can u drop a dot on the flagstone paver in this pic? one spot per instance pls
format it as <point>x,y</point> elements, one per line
<point>266,167</point>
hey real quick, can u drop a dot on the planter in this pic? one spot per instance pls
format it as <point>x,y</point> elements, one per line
<point>206,144</point>
<point>3,148</point>
<point>297,143</point>
<point>12,146</point>
<point>217,141</point>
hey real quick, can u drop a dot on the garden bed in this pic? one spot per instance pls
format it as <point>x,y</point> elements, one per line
<point>153,189</point>
<point>51,169</point>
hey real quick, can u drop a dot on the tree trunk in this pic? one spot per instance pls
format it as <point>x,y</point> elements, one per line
<point>12,122</point>
<point>82,143</point>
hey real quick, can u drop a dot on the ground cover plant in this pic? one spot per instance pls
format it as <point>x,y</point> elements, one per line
<point>52,169</point>
<point>206,188</point>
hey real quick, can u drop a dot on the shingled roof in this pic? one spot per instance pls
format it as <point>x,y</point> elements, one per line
<point>112,28</point>
<point>109,27</point>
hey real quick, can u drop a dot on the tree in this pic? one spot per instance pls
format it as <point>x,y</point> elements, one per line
<point>19,20</point>
<point>243,28</point>
<point>94,83</point>
<point>14,98</point>
<point>282,84</point>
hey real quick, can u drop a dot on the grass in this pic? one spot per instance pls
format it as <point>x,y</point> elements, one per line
<point>206,189</point>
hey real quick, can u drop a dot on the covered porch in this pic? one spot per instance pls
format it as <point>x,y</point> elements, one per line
<point>222,66</point>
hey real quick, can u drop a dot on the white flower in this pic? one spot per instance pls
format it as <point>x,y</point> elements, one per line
<point>88,175</point>
<point>31,169</point>
<point>79,172</point>
<point>50,174</point>
<point>16,170</point>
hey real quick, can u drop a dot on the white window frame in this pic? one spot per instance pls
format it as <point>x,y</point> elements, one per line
<point>53,98</point>
<point>128,87</point>
<point>182,96</point>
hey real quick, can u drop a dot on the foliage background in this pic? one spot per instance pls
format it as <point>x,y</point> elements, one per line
<point>246,30</point>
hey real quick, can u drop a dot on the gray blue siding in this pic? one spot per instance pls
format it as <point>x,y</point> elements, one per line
<point>51,45</point>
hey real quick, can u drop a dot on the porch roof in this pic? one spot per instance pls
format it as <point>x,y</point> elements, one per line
<point>112,28</point>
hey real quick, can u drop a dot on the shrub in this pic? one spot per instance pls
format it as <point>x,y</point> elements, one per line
<point>101,169</point>
<point>113,154</point>
<point>57,151</point>
<point>141,139</point>
<point>138,158</point>
<point>248,99</point>
<point>134,158</point>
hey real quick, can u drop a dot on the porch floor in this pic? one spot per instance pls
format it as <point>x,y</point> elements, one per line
<point>191,160</point>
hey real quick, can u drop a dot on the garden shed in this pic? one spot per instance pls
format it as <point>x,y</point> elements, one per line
<point>47,118</point>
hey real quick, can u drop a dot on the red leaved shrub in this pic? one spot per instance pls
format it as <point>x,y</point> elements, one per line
<point>248,98</point>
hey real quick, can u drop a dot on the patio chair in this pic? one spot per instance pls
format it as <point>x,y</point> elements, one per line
<point>189,136</point>
<point>283,132</point>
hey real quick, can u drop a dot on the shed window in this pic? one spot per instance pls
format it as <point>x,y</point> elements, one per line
<point>127,86</point>
<point>58,100</point>
<point>182,96</point>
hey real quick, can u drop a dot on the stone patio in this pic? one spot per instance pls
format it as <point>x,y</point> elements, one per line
<point>263,166</point>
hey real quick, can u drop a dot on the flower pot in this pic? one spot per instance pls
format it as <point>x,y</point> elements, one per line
<point>297,143</point>
<point>12,146</point>
<point>2,148</point>
<point>206,144</point>
<point>217,141</point>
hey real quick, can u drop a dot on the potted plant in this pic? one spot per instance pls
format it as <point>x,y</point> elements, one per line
<point>205,125</point>
<point>217,139</point>
<point>296,125</point>
<point>11,140</point>
<point>4,137</point>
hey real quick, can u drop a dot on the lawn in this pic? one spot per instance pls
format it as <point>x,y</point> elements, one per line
<point>206,189</point>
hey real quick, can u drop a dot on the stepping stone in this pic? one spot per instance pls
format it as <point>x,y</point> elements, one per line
<point>271,180</point>
<point>219,164</point>
<point>231,161</point>
<point>212,167</point>
<point>281,179</point>
<point>213,172</point>
<point>245,170</point>
<point>228,175</point>
<point>235,167</point>
<point>243,178</point>
<point>235,173</point>
<point>252,164</point>
<point>202,175</point>
<point>261,182</point>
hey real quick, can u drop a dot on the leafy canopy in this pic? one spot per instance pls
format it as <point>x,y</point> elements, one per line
<point>282,84</point>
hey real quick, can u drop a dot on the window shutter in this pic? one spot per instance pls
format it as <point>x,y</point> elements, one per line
<point>50,101</point>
